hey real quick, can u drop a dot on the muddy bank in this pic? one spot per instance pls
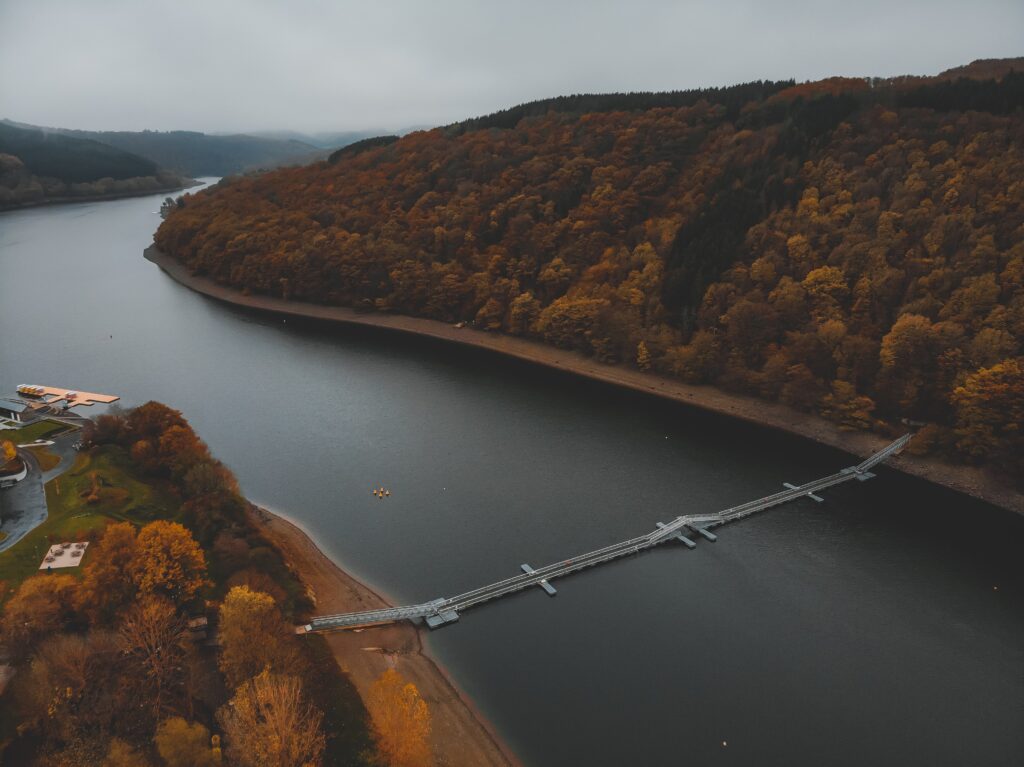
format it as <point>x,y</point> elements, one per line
<point>973,481</point>
<point>460,736</point>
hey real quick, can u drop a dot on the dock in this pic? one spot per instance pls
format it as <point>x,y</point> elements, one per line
<point>50,395</point>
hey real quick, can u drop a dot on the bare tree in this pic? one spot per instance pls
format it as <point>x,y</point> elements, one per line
<point>269,723</point>
<point>153,635</point>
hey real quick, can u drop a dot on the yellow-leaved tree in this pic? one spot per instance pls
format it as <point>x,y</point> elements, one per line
<point>122,754</point>
<point>181,744</point>
<point>168,561</point>
<point>401,720</point>
<point>254,636</point>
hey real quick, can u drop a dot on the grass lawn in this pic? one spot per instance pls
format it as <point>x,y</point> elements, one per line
<point>39,430</point>
<point>120,494</point>
<point>45,458</point>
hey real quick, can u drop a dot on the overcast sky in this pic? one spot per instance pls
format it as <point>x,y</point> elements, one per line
<point>310,65</point>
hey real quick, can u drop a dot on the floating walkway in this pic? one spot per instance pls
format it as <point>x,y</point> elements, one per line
<point>446,610</point>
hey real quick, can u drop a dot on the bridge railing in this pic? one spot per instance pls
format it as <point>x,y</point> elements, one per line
<point>591,558</point>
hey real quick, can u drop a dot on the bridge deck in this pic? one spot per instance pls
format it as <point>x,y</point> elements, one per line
<point>446,610</point>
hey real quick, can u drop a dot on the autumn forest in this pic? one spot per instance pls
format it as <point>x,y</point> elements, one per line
<point>175,644</point>
<point>849,247</point>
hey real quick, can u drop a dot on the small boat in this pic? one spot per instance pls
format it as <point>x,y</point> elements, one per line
<point>387,492</point>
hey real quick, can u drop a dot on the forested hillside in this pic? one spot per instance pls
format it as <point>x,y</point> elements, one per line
<point>851,247</point>
<point>36,166</point>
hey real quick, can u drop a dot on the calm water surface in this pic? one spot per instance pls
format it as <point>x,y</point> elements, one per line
<point>864,631</point>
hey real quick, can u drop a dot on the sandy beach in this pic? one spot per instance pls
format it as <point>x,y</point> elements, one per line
<point>460,736</point>
<point>973,481</point>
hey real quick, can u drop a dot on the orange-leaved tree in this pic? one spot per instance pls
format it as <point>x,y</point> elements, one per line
<point>42,605</point>
<point>169,562</point>
<point>107,584</point>
<point>990,415</point>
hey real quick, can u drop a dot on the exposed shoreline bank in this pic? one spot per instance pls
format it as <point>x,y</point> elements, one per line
<point>460,735</point>
<point>973,481</point>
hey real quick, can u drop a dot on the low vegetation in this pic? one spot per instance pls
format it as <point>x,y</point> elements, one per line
<point>41,429</point>
<point>45,458</point>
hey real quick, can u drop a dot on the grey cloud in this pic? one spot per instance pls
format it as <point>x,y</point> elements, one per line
<point>220,65</point>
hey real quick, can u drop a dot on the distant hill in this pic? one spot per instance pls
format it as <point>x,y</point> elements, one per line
<point>39,166</point>
<point>852,247</point>
<point>332,139</point>
<point>200,154</point>
<point>70,159</point>
<point>322,140</point>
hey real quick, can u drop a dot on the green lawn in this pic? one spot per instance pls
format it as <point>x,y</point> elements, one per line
<point>122,495</point>
<point>39,430</point>
<point>46,459</point>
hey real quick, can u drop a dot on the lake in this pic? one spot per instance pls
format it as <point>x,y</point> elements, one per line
<point>885,626</point>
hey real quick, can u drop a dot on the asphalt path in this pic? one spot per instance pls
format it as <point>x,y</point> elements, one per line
<point>23,506</point>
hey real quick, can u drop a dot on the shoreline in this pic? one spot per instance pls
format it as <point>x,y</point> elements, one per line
<point>460,735</point>
<point>972,481</point>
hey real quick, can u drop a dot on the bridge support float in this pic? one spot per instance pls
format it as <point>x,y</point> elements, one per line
<point>543,583</point>
<point>705,534</point>
<point>681,538</point>
<point>442,618</point>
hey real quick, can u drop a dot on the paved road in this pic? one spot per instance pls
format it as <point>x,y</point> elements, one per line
<point>23,507</point>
